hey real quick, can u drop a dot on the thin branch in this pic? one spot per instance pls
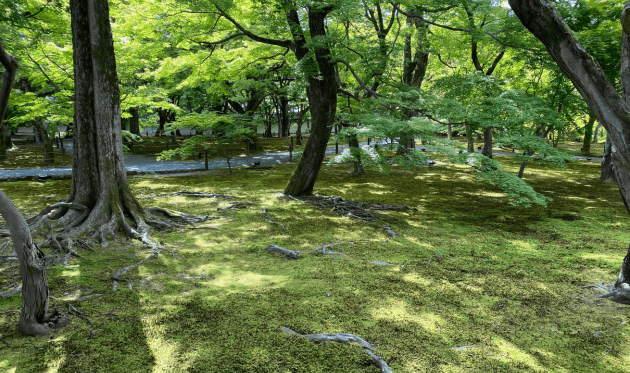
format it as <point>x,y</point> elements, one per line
<point>366,88</point>
<point>280,43</point>
<point>227,38</point>
<point>39,11</point>
<point>43,72</point>
<point>60,68</point>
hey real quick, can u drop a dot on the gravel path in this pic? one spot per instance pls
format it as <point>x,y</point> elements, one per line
<point>139,164</point>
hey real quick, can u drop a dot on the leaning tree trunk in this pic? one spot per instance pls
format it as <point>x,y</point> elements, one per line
<point>322,98</point>
<point>595,133</point>
<point>10,65</point>
<point>598,92</point>
<point>99,180</point>
<point>34,318</point>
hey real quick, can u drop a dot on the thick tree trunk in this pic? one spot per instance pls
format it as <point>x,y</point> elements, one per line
<point>285,122</point>
<point>34,318</point>
<point>588,134</point>
<point>10,65</point>
<point>598,92</point>
<point>99,179</point>
<point>322,98</point>
<point>487,142</point>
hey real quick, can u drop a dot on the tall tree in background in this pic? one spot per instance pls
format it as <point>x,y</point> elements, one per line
<point>10,65</point>
<point>544,22</point>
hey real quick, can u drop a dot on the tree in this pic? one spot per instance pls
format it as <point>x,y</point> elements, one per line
<point>544,22</point>
<point>34,318</point>
<point>10,65</point>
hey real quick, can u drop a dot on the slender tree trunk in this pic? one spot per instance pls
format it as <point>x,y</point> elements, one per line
<point>588,134</point>
<point>322,98</point>
<point>34,317</point>
<point>300,122</point>
<point>596,132</point>
<point>469,139</point>
<point>449,132</point>
<point>544,22</point>
<point>134,121</point>
<point>487,142</point>
<point>10,65</point>
<point>123,123</point>
<point>285,122</point>
<point>607,173</point>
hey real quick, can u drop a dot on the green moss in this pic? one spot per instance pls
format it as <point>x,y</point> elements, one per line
<point>506,280</point>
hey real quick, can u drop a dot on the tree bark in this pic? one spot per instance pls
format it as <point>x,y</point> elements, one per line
<point>99,179</point>
<point>322,98</point>
<point>449,132</point>
<point>10,65</point>
<point>285,122</point>
<point>588,134</point>
<point>596,132</point>
<point>134,121</point>
<point>469,138</point>
<point>487,142</point>
<point>607,173</point>
<point>34,317</point>
<point>598,92</point>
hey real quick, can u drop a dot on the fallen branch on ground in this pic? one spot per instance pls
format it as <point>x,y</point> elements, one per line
<point>118,275</point>
<point>291,254</point>
<point>344,338</point>
<point>438,254</point>
<point>231,207</point>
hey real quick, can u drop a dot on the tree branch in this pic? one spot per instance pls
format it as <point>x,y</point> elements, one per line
<point>280,43</point>
<point>366,88</point>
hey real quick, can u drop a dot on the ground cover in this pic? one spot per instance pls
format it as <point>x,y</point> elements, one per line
<point>465,269</point>
<point>31,156</point>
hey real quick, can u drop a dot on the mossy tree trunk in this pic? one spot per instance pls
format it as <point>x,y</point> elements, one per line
<point>596,133</point>
<point>10,65</point>
<point>544,22</point>
<point>34,318</point>
<point>99,179</point>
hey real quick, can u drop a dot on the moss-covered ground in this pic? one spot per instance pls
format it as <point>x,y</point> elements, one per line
<point>504,280</point>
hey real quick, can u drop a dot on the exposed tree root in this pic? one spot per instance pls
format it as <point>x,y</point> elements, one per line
<point>188,193</point>
<point>234,205</point>
<point>352,209</point>
<point>322,249</point>
<point>618,294</point>
<point>268,218</point>
<point>12,292</point>
<point>291,254</point>
<point>345,338</point>
<point>118,275</point>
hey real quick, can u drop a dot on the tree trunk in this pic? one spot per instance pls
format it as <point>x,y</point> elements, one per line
<point>300,121</point>
<point>588,134</point>
<point>322,98</point>
<point>449,132</point>
<point>48,146</point>
<point>487,142</point>
<point>598,92</point>
<point>469,139</point>
<point>10,65</point>
<point>596,132</point>
<point>162,121</point>
<point>123,123</point>
<point>607,173</point>
<point>285,122</point>
<point>99,179</point>
<point>134,121</point>
<point>34,318</point>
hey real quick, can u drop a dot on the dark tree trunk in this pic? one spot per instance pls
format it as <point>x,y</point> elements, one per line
<point>607,165</point>
<point>162,121</point>
<point>49,155</point>
<point>596,132</point>
<point>322,98</point>
<point>300,121</point>
<point>285,122</point>
<point>34,318</point>
<point>123,123</point>
<point>10,65</point>
<point>588,134</point>
<point>469,138</point>
<point>99,179</point>
<point>598,92</point>
<point>487,142</point>
<point>134,121</point>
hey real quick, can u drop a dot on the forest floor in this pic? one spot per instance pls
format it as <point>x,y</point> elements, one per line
<point>468,284</point>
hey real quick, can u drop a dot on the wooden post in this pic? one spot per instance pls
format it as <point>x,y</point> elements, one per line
<point>205,157</point>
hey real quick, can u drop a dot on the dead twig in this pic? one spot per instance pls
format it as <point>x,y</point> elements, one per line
<point>234,205</point>
<point>118,275</point>
<point>268,218</point>
<point>322,249</point>
<point>438,254</point>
